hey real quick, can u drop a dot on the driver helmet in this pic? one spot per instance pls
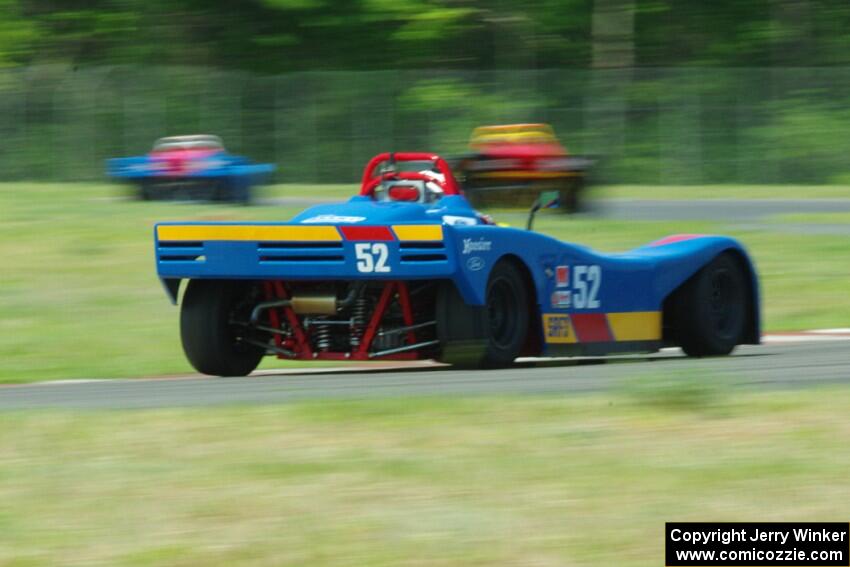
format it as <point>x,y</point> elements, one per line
<point>433,189</point>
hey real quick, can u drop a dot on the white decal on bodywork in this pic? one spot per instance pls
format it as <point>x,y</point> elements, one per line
<point>463,221</point>
<point>475,263</point>
<point>480,245</point>
<point>332,218</point>
<point>561,299</point>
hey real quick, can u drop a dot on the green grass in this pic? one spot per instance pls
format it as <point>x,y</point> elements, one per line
<point>79,296</point>
<point>587,480</point>
<point>341,191</point>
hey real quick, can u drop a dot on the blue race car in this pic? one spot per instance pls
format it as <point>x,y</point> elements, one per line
<point>408,270</point>
<point>190,167</point>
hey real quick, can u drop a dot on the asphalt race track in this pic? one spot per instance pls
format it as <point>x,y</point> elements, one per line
<point>783,366</point>
<point>743,213</point>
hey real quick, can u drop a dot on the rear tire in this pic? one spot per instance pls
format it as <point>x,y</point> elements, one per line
<point>145,191</point>
<point>711,309</point>
<point>218,190</point>
<point>212,344</point>
<point>489,336</point>
<point>461,329</point>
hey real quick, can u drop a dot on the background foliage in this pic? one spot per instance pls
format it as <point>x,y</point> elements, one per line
<point>273,36</point>
<point>662,91</point>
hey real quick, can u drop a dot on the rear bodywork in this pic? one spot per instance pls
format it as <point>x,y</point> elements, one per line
<point>190,167</point>
<point>581,301</point>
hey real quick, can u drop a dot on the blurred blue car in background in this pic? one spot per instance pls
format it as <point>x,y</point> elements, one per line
<point>190,167</point>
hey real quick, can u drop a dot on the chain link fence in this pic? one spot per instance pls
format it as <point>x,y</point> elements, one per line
<point>667,126</point>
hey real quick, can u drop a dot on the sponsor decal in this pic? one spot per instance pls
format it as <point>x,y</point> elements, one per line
<point>452,220</point>
<point>475,263</point>
<point>558,328</point>
<point>480,245</point>
<point>562,276</point>
<point>332,218</point>
<point>561,299</point>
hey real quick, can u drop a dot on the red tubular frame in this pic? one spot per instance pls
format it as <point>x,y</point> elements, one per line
<point>370,181</point>
<point>301,346</point>
<point>274,317</point>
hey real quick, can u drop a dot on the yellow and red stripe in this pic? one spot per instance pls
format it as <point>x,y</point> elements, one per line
<point>561,328</point>
<point>312,233</point>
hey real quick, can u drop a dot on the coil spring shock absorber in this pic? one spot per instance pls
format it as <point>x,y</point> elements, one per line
<point>322,332</point>
<point>358,320</point>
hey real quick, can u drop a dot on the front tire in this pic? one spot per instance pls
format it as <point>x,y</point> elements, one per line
<point>211,342</point>
<point>711,309</point>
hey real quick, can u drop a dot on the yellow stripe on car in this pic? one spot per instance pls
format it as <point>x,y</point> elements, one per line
<point>635,325</point>
<point>247,232</point>
<point>419,232</point>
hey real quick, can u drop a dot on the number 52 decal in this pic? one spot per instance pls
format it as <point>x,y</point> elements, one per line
<point>372,257</point>
<point>586,281</point>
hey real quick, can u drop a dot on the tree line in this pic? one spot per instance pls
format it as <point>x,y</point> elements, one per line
<point>276,36</point>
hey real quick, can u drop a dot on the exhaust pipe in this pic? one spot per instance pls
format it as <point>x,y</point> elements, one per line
<point>311,303</point>
<point>314,304</point>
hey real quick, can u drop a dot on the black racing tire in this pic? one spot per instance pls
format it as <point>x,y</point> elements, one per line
<point>197,190</point>
<point>211,343</point>
<point>489,336</point>
<point>145,191</point>
<point>461,329</point>
<point>243,195</point>
<point>711,309</point>
<point>217,191</point>
<point>507,313</point>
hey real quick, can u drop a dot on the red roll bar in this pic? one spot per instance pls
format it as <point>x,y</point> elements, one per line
<point>370,180</point>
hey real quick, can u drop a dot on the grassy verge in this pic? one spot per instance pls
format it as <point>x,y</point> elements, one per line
<point>79,295</point>
<point>473,482</point>
<point>340,191</point>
